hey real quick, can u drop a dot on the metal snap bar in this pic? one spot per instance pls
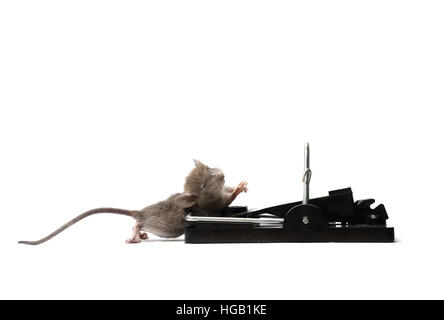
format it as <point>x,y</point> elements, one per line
<point>191,218</point>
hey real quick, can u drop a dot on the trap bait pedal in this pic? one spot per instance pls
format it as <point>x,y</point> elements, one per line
<point>334,218</point>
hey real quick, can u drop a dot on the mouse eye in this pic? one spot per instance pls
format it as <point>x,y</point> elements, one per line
<point>202,186</point>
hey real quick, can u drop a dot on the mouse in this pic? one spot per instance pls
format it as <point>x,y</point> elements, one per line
<point>204,193</point>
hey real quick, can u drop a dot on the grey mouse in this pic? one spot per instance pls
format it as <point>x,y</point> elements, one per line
<point>204,193</point>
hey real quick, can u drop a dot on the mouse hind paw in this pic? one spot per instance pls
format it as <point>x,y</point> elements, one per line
<point>133,240</point>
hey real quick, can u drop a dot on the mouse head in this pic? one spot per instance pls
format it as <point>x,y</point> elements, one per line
<point>204,179</point>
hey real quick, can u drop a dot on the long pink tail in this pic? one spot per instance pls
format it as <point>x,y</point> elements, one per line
<point>125,212</point>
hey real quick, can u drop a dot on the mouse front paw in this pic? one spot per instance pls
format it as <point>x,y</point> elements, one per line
<point>241,187</point>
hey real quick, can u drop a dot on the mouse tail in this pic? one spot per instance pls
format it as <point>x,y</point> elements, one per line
<point>125,212</point>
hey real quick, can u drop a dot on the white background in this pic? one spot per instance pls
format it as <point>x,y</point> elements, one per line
<point>106,103</point>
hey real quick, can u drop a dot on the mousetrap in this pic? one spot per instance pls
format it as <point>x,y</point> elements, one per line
<point>334,218</point>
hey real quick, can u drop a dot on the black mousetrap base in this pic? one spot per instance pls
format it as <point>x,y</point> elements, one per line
<point>334,218</point>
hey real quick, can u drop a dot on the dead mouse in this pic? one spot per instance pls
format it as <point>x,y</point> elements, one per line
<point>204,192</point>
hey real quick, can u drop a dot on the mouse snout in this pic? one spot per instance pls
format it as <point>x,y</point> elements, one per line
<point>220,175</point>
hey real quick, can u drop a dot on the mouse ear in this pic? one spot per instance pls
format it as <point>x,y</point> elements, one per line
<point>197,162</point>
<point>186,200</point>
